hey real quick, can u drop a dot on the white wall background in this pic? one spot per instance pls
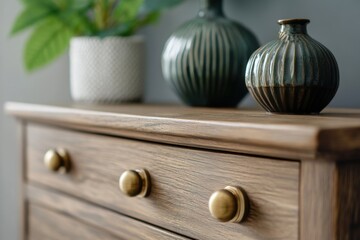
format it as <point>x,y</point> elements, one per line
<point>334,23</point>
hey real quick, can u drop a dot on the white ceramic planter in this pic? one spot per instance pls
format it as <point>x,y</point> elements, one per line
<point>109,70</point>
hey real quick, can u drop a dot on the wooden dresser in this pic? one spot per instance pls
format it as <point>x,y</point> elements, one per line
<point>169,172</point>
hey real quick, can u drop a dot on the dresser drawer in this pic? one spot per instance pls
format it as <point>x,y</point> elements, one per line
<point>53,216</point>
<point>45,224</point>
<point>182,180</point>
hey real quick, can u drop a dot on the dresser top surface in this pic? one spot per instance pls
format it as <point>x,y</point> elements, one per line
<point>334,132</point>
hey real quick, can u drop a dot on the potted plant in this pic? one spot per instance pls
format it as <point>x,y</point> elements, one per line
<point>106,57</point>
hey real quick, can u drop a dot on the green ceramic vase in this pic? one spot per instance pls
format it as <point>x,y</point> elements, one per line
<point>294,74</point>
<point>205,59</point>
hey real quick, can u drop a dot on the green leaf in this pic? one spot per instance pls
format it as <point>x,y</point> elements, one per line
<point>62,4</point>
<point>123,30</point>
<point>150,18</point>
<point>127,10</point>
<point>82,4</point>
<point>102,9</point>
<point>48,41</point>
<point>158,5</point>
<point>30,16</point>
<point>76,17</point>
<point>143,21</point>
<point>77,22</point>
<point>43,3</point>
<point>129,28</point>
<point>28,2</point>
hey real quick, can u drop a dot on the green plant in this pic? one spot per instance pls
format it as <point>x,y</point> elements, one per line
<point>55,22</point>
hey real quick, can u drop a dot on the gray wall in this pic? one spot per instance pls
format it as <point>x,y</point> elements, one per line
<point>48,85</point>
<point>334,23</point>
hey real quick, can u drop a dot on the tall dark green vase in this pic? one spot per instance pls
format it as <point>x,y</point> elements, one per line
<point>205,59</point>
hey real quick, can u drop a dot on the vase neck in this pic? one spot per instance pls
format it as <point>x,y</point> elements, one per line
<point>293,26</point>
<point>211,8</point>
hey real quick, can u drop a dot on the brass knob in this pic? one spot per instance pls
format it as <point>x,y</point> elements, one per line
<point>135,183</point>
<point>57,160</point>
<point>230,204</point>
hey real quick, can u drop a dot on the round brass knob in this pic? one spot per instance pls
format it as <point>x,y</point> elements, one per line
<point>57,160</point>
<point>135,183</point>
<point>229,205</point>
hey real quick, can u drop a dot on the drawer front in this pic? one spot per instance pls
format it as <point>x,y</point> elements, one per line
<point>54,216</point>
<point>45,224</point>
<point>182,181</point>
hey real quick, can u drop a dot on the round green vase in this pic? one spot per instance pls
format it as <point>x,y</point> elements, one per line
<point>204,61</point>
<point>294,74</point>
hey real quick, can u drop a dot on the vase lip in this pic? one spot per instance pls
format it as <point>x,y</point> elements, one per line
<point>302,21</point>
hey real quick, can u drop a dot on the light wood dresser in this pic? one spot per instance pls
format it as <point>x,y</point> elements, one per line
<point>170,172</point>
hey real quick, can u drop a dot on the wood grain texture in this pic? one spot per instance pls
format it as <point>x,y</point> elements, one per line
<point>182,182</point>
<point>253,132</point>
<point>318,200</point>
<point>330,200</point>
<point>348,201</point>
<point>46,225</point>
<point>52,214</point>
<point>22,207</point>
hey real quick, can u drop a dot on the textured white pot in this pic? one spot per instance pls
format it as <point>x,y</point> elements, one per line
<point>108,70</point>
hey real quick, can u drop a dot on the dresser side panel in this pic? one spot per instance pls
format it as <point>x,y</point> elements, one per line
<point>317,200</point>
<point>348,203</point>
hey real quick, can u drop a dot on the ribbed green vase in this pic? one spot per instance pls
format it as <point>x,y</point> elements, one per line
<point>294,74</point>
<point>205,59</point>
